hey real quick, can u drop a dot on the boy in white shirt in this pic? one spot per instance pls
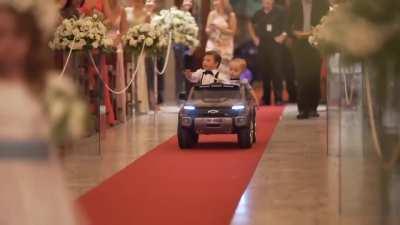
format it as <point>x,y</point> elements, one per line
<point>210,73</point>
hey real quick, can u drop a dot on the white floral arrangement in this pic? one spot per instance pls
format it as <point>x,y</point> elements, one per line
<point>146,36</point>
<point>180,24</point>
<point>84,33</point>
<point>45,12</point>
<point>67,111</point>
<point>318,35</point>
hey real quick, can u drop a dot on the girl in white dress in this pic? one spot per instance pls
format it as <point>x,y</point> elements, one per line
<point>221,29</point>
<point>32,190</point>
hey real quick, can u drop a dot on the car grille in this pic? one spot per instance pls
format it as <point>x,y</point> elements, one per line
<point>213,112</point>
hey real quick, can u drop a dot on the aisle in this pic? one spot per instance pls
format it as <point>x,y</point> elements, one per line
<point>295,182</point>
<point>170,186</point>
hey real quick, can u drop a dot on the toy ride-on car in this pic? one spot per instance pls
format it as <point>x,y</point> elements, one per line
<point>217,109</point>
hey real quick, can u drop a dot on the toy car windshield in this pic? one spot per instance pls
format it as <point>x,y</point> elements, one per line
<point>218,86</point>
<point>216,92</point>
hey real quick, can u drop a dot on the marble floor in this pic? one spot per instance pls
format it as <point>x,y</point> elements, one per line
<point>295,182</point>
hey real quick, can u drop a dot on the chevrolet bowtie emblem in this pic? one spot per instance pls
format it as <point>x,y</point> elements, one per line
<point>213,111</point>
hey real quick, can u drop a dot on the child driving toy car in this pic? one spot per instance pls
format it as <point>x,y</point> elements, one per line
<point>209,73</point>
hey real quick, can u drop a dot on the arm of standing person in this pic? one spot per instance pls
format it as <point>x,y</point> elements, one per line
<point>253,94</point>
<point>253,34</point>
<point>108,13</point>
<point>123,26</point>
<point>231,30</point>
<point>209,26</point>
<point>283,18</point>
<point>124,23</point>
<point>293,11</point>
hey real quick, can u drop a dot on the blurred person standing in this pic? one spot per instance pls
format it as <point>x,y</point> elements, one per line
<point>221,29</point>
<point>102,8</point>
<point>32,189</point>
<point>136,14</point>
<point>115,22</point>
<point>70,8</point>
<point>289,71</point>
<point>151,7</point>
<point>184,56</point>
<point>304,15</point>
<point>268,29</point>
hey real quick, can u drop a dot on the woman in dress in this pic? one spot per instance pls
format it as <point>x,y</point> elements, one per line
<point>70,8</point>
<point>101,7</point>
<point>91,6</point>
<point>115,23</point>
<point>135,15</point>
<point>221,29</point>
<point>33,191</point>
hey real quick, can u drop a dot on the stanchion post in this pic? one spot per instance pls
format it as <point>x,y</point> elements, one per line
<point>155,85</point>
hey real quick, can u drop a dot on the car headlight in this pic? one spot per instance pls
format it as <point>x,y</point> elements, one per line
<point>238,107</point>
<point>186,121</point>
<point>189,107</point>
<point>240,121</point>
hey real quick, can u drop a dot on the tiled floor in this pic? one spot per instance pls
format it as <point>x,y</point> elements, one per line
<point>295,182</point>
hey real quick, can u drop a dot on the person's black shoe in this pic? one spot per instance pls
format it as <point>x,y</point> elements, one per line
<point>302,116</point>
<point>314,114</point>
<point>279,103</point>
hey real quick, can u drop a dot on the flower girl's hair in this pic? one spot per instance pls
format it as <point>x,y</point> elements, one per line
<point>44,13</point>
<point>27,24</point>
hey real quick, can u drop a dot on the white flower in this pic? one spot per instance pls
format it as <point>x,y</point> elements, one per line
<point>76,118</point>
<point>141,37</point>
<point>77,33</point>
<point>149,42</point>
<point>133,42</point>
<point>67,112</point>
<point>181,24</point>
<point>95,44</point>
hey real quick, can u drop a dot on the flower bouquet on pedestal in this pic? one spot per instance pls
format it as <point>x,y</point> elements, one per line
<point>145,37</point>
<point>181,25</point>
<point>85,33</point>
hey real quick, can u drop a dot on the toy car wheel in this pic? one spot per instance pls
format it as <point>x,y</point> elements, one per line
<point>186,138</point>
<point>195,138</point>
<point>254,132</point>
<point>245,138</point>
<point>254,126</point>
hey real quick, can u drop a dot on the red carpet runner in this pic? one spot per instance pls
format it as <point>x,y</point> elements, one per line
<point>168,186</point>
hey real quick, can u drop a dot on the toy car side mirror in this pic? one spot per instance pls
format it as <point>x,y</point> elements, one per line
<point>183,96</point>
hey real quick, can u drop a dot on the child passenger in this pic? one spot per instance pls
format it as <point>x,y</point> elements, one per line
<point>239,74</point>
<point>238,67</point>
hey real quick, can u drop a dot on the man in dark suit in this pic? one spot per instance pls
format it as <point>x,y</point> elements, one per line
<point>304,15</point>
<point>268,29</point>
